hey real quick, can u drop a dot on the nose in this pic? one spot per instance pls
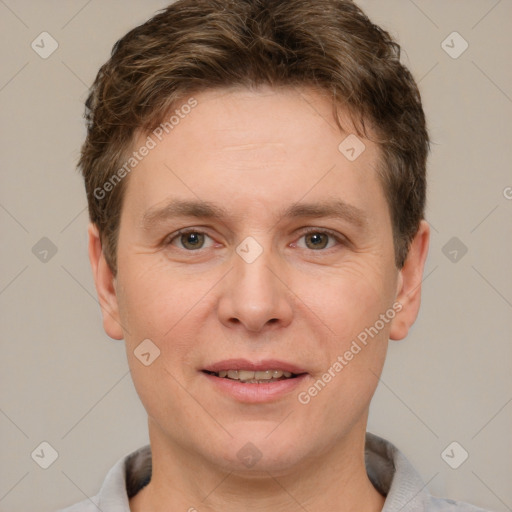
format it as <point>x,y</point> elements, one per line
<point>255,296</point>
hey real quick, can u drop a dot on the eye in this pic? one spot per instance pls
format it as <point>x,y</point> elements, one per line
<point>189,240</point>
<point>316,239</point>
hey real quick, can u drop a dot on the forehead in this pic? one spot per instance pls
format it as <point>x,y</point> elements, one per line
<point>253,150</point>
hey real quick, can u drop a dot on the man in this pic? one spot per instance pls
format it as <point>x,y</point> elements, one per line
<point>255,171</point>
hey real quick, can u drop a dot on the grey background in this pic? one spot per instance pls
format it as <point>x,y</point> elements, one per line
<point>65,382</point>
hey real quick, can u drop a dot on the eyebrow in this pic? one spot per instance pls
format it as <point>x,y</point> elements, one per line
<point>207,210</point>
<point>329,208</point>
<point>180,208</point>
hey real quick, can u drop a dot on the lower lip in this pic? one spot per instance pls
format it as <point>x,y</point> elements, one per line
<point>255,393</point>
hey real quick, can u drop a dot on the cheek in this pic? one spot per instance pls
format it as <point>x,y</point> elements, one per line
<point>349,300</point>
<point>152,299</point>
<point>353,354</point>
<point>350,304</point>
<point>158,305</point>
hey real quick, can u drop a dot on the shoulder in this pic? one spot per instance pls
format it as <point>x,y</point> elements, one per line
<point>394,477</point>
<point>130,474</point>
<point>82,506</point>
<point>447,505</point>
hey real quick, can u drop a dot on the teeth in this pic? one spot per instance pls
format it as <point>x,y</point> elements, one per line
<point>245,374</point>
<point>254,377</point>
<point>264,375</point>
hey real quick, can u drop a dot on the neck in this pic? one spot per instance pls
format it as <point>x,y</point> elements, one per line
<point>336,479</point>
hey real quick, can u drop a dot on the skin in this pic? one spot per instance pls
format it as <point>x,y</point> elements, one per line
<point>254,153</point>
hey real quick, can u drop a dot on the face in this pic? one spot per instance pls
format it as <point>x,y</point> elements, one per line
<point>249,242</point>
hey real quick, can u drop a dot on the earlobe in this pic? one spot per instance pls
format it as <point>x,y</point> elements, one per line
<point>104,281</point>
<point>409,283</point>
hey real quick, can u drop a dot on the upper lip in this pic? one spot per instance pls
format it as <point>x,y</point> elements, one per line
<point>261,365</point>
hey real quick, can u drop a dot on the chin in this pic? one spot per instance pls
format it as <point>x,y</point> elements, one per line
<point>254,453</point>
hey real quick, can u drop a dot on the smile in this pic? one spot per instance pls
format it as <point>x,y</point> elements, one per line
<point>254,377</point>
<point>254,382</point>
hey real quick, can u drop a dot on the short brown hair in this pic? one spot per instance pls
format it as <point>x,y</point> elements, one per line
<point>195,45</point>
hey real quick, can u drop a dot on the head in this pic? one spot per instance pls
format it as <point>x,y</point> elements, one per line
<point>230,120</point>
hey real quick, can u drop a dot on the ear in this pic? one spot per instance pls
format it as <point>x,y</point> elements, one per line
<point>105,285</point>
<point>409,283</point>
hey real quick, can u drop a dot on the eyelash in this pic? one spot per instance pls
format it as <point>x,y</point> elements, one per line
<point>337,237</point>
<point>323,231</point>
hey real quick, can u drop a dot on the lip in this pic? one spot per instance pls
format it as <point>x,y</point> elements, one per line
<point>255,393</point>
<point>245,364</point>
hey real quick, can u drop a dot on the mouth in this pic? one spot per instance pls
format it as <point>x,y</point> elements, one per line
<point>255,382</point>
<point>254,377</point>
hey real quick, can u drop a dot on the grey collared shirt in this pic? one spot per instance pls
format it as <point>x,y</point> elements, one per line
<point>388,469</point>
